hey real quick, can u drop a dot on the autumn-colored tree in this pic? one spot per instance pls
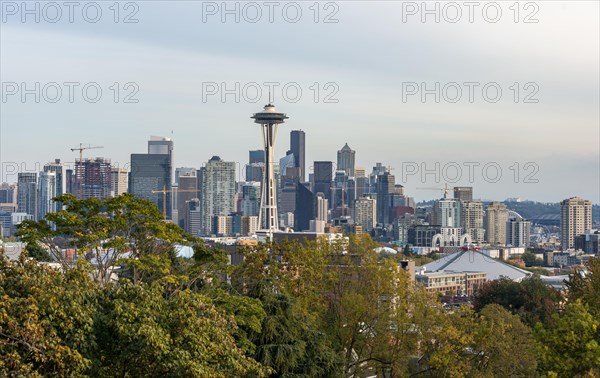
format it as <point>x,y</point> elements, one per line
<point>46,320</point>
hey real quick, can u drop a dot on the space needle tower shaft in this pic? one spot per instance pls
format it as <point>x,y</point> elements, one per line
<point>269,119</point>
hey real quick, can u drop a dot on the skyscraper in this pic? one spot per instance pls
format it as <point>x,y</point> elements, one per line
<point>250,199</point>
<point>323,178</point>
<point>575,219</point>
<point>187,186</point>
<point>305,209</point>
<point>118,181</point>
<point>446,213</point>
<point>151,172</point>
<point>93,178</point>
<point>365,213</point>
<point>463,193</point>
<point>193,216</point>
<point>256,156</point>
<point>496,217</point>
<point>377,171</point>
<point>346,159</point>
<point>160,146</point>
<point>217,186</point>
<point>47,186</point>
<point>471,218</point>
<point>154,171</point>
<point>518,231</point>
<point>27,193</point>
<point>361,182</point>
<point>255,166</point>
<point>286,162</point>
<point>386,184</point>
<point>8,193</point>
<point>61,180</point>
<point>298,146</point>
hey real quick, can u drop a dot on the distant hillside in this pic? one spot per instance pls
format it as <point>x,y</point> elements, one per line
<point>532,209</point>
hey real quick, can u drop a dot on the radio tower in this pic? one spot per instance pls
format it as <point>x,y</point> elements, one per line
<point>269,119</point>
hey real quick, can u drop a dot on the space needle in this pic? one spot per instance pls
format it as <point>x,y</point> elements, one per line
<point>269,119</point>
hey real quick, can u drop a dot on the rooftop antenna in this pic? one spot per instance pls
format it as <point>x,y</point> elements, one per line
<point>270,96</point>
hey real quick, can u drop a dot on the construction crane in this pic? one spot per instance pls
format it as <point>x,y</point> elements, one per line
<point>79,172</point>
<point>443,190</point>
<point>164,192</point>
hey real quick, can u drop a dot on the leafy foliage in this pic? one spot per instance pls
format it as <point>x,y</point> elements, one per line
<point>129,306</point>
<point>531,299</point>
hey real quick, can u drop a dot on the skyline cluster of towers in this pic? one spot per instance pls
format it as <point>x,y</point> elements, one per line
<point>274,195</point>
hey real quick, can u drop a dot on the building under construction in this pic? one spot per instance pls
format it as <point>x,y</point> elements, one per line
<point>92,178</point>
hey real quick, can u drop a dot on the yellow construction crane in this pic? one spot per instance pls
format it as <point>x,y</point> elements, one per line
<point>164,191</point>
<point>79,172</point>
<point>443,190</point>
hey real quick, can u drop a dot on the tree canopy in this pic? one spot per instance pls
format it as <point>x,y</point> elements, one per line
<point>126,305</point>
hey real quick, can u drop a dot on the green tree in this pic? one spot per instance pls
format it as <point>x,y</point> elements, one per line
<point>571,347</point>
<point>531,298</point>
<point>585,285</point>
<point>290,339</point>
<point>498,335</point>
<point>37,252</point>
<point>531,260</point>
<point>141,331</point>
<point>102,230</point>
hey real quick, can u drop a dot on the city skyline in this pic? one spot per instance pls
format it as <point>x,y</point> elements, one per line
<point>169,56</point>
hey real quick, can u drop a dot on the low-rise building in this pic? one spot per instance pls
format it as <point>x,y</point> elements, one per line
<point>451,282</point>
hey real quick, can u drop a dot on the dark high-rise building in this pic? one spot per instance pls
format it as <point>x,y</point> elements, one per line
<point>27,193</point>
<point>70,181</point>
<point>187,190</point>
<point>151,172</point>
<point>298,148</point>
<point>256,156</point>
<point>305,209</point>
<point>386,184</point>
<point>323,178</point>
<point>193,216</point>
<point>255,166</point>
<point>463,193</point>
<point>154,171</point>
<point>8,192</point>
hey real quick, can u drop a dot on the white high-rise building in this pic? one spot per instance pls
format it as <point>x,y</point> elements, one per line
<point>575,218</point>
<point>118,178</point>
<point>321,207</point>
<point>446,213</point>
<point>47,186</point>
<point>518,231</point>
<point>365,213</point>
<point>218,191</point>
<point>61,179</point>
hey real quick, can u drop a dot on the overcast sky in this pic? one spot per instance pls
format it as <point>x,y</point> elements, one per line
<point>361,81</point>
